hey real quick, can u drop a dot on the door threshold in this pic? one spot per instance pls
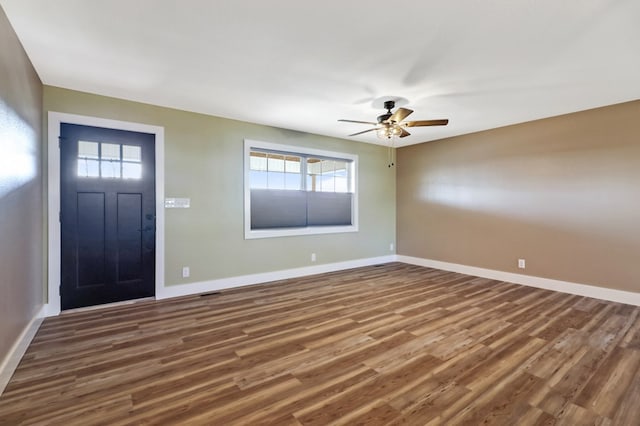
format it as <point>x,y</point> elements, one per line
<point>107,305</point>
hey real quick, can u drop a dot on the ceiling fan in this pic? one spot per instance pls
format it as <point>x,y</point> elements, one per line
<point>391,124</point>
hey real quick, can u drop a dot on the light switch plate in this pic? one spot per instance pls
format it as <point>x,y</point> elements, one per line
<point>177,203</point>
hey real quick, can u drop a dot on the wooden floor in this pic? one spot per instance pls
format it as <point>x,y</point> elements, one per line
<point>394,344</point>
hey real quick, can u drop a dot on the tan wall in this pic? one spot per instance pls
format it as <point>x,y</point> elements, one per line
<point>204,161</point>
<point>21,242</point>
<point>563,193</point>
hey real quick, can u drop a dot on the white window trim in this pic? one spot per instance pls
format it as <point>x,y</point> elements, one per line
<point>310,230</point>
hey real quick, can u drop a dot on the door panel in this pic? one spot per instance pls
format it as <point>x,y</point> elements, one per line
<point>91,239</point>
<point>129,237</point>
<point>107,198</point>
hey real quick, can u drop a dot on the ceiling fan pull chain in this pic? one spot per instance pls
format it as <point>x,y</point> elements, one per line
<point>393,156</point>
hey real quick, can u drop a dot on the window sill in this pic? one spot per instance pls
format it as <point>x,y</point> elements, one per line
<point>290,232</point>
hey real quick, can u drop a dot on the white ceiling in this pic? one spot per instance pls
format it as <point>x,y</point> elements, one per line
<point>302,65</point>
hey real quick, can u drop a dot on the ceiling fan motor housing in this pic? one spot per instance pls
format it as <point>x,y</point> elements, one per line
<point>383,119</point>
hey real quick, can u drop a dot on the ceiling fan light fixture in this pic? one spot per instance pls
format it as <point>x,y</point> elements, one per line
<point>383,133</point>
<point>388,131</point>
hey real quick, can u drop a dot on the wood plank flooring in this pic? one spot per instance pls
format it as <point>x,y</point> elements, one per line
<point>393,344</point>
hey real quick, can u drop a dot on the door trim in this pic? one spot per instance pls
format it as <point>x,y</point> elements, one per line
<point>53,197</point>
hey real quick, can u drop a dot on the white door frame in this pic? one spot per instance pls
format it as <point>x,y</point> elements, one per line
<point>53,192</point>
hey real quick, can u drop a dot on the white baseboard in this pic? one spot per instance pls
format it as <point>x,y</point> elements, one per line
<point>602,293</point>
<point>224,283</point>
<point>49,310</point>
<point>11,361</point>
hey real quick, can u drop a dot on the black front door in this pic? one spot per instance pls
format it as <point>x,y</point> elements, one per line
<point>107,207</point>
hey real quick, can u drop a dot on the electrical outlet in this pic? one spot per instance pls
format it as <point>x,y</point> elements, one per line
<point>521,263</point>
<point>313,257</point>
<point>391,247</point>
<point>185,272</point>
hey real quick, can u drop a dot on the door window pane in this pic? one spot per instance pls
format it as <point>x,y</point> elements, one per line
<point>88,168</point>
<point>131,153</point>
<point>88,149</point>
<point>110,169</point>
<point>88,155</point>
<point>131,170</point>
<point>110,151</point>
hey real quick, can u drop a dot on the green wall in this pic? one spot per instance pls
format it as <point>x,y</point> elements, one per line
<point>203,161</point>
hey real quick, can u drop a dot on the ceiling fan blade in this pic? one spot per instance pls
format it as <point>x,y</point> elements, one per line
<point>400,114</point>
<point>422,123</point>
<point>359,122</point>
<point>404,133</point>
<point>364,131</point>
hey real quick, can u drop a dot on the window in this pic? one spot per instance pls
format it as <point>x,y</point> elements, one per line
<point>270,170</point>
<point>297,191</point>
<point>327,175</point>
<point>109,160</point>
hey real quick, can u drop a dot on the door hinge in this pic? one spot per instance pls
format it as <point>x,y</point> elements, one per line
<point>60,217</point>
<point>60,291</point>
